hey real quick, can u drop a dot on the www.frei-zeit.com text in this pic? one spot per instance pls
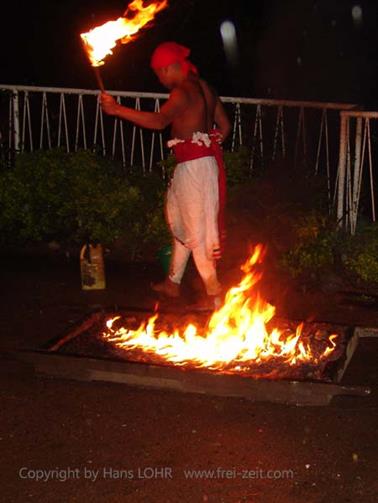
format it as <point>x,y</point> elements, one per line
<point>148,473</point>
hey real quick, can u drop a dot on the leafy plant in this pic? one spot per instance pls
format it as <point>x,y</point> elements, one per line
<point>68,197</point>
<point>310,257</point>
<point>150,228</point>
<point>167,166</point>
<point>30,207</point>
<point>237,166</point>
<point>360,256</point>
<point>315,245</point>
<point>102,204</point>
<point>321,247</point>
<point>80,197</point>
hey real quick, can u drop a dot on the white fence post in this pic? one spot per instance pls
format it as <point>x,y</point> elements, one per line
<point>16,122</point>
<point>342,170</point>
<point>350,184</point>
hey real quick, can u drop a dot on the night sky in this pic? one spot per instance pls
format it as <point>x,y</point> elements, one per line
<point>295,49</point>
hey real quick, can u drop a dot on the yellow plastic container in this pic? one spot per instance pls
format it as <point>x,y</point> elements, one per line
<point>92,267</point>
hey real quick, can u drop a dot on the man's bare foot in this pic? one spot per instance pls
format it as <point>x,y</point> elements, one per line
<point>207,304</point>
<point>167,288</point>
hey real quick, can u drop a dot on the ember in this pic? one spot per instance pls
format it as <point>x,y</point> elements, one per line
<point>238,338</point>
<point>101,41</point>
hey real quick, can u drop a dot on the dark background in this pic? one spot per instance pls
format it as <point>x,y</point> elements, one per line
<point>294,49</point>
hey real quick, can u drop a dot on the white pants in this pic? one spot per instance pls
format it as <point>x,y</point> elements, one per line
<point>192,214</point>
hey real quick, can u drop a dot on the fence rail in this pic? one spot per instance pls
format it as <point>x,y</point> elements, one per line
<point>47,117</point>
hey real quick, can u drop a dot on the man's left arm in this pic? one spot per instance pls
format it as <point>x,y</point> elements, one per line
<point>221,119</point>
<point>150,120</point>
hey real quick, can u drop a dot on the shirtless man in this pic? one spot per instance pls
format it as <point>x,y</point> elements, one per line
<point>193,197</point>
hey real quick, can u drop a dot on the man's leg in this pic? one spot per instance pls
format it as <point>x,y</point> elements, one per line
<point>200,207</point>
<point>180,256</point>
<point>171,285</point>
<point>207,270</point>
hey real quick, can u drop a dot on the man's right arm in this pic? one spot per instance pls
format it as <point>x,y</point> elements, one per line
<point>171,109</point>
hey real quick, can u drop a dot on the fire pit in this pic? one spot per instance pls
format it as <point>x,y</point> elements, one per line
<point>242,349</point>
<point>93,338</point>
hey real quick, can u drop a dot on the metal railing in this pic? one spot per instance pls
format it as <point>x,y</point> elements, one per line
<point>355,184</point>
<point>45,117</point>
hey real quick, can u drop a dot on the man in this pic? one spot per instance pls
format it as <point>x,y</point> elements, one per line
<point>192,206</point>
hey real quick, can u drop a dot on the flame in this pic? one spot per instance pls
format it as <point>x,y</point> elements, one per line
<point>100,41</point>
<point>235,335</point>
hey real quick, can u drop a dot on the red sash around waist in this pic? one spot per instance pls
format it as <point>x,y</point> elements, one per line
<point>188,151</point>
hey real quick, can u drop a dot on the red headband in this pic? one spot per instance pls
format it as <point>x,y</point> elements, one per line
<point>169,53</point>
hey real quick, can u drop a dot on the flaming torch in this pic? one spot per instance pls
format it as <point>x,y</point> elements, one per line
<point>100,41</point>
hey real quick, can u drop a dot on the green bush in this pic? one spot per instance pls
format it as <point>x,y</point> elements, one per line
<point>310,257</point>
<point>315,245</point>
<point>321,247</point>
<point>237,166</point>
<point>102,204</point>
<point>30,206</point>
<point>167,166</point>
<point>150,229</point>
<point>78,197</point>
<point>360,256</point>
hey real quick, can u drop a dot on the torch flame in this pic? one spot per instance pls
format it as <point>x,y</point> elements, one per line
<point>235,335</point>
<point>100,41</point>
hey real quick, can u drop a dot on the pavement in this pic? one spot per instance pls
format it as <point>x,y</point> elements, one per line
<point>65,441</point>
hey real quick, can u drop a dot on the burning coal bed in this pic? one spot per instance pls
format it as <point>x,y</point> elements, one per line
<point>243,337</point>
<point>97,341</point>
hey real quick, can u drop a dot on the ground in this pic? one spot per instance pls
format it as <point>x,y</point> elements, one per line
<point>321,454</point>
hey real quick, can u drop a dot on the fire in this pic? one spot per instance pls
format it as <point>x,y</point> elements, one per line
<point>100,41</point>
<point>235,337</point>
